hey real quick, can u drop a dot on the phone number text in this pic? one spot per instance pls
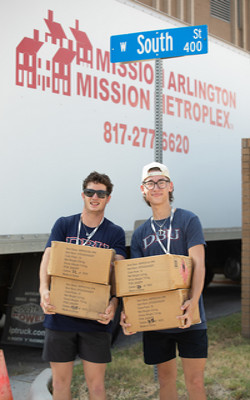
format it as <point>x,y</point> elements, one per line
<point>143,137</point>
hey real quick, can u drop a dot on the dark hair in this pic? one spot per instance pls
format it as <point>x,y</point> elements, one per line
<point>98,178</point>
<point>171,196</point>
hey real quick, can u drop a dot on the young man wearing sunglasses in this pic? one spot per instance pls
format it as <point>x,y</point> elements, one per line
<point>174,231</point>
<point>66,337</point>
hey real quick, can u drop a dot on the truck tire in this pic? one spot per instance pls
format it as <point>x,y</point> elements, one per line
<point>208,277</point>
<point>116,327</point>
<point>232,268</point>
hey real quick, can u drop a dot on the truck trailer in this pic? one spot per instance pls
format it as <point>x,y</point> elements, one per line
<point>66,111</point>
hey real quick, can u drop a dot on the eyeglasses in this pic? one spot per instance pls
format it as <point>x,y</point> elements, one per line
<point>100,193</point>
<point>161,183</point>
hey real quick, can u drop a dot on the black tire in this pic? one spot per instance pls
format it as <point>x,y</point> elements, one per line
<point>232,268</point>
<point>116,327</point>
<point>208,277</point>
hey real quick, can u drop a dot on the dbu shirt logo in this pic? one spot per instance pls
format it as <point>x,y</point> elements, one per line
<point>149,240</point>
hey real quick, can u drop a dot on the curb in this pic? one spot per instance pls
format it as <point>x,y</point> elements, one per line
<point>39,387</point>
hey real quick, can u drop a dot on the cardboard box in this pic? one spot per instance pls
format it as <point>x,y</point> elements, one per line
<point>148,312</point>
<point>152,274</point>
<point>77,298</point>
<point>89,264</point>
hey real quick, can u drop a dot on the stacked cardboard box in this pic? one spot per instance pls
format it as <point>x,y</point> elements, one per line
<point>153,290</point>
<point>79,279</point>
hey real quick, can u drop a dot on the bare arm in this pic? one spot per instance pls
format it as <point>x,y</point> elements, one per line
<point>45,283</point>
<point>198,256</point>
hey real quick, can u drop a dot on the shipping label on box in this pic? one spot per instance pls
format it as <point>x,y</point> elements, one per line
<point>79,299</point>
<point>152,274</point>
<point>155,311</point>
<point>90,264</point>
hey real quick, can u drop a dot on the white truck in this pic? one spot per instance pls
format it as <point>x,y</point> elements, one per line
<point>66,111</point>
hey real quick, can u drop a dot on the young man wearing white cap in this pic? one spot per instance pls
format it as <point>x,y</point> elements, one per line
<point>174,231</point>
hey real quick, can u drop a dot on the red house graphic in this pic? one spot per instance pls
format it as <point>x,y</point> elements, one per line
<point>61,70</point>
<point>26,60</point>
<point>84,49</point>
<point>54,69</point>
<point>56,31</point>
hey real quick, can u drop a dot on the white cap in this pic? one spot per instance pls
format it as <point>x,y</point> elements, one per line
<point>163,170</point>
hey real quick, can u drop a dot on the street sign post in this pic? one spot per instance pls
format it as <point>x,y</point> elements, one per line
<point>167,43</point>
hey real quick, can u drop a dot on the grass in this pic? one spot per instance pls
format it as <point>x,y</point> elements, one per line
<point>227,375</point>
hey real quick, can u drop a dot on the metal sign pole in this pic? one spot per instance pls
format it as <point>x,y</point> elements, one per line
<point>158,45</point>
<point>158,111</point>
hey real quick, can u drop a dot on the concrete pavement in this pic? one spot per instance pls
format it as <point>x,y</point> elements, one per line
<point>31,386</point>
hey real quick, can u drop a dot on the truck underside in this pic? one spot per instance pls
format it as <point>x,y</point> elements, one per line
<point>223,257</point>
<point>19,297</point>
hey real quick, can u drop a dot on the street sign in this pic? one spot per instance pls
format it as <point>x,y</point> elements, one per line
<point>166,43</point>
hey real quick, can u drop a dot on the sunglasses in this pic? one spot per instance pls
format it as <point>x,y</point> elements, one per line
<point>100,193</point>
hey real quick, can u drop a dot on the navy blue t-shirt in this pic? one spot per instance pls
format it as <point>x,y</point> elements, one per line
<point>186,232</point>
<point>108,236</point>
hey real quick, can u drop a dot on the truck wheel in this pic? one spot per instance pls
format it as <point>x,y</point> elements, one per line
<point>208,277</point>
<point>116,327</point>
<point>232,268</point>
